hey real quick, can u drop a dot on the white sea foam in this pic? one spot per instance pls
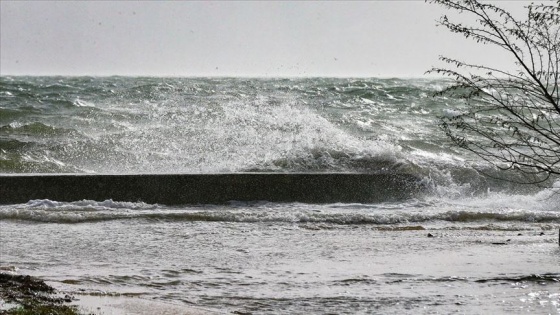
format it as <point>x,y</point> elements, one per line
<point>429,213</point>
<point>81,103</point>
<point>89,204</point>
<point>451,113</point>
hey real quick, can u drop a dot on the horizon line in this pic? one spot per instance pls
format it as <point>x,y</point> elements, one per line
<point>226,76</point>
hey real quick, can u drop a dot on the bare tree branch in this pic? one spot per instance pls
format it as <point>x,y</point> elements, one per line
<point>513,117</point>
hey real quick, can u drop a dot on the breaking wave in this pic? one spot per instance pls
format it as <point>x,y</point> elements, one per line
<point>209,125</point>
<point>335,214</point>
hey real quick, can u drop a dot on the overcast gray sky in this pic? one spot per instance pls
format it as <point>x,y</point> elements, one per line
<point>186,38</point>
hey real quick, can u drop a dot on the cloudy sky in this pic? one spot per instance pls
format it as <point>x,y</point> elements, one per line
<point>206,38</point>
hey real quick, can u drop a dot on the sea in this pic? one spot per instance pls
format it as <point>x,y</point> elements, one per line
<point>469,243</point>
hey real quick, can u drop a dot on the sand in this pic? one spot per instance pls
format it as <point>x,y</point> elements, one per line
<point>118,305</point>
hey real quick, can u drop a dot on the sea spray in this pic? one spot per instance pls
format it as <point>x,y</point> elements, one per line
<point>131,125</point>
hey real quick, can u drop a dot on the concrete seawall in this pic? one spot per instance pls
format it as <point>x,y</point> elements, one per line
<point>173,189</point>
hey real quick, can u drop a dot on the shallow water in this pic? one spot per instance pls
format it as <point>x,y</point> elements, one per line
<point>274,258</point>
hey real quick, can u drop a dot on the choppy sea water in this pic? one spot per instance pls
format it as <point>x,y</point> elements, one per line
<point>493,245</point>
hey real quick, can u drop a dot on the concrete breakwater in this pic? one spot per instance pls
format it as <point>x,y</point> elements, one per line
<point>173,189</point>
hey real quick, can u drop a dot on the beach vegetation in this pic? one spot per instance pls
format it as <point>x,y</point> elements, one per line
<point>511,117</point>
<point>29,295</point>
<point>35,308</point>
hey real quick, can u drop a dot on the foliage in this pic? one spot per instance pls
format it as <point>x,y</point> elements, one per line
<point>513,116</point>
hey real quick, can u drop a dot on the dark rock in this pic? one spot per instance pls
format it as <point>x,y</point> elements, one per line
<point>30,293</point>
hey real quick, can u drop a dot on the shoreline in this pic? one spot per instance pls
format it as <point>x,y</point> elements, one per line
<point>121,305</point>
<point>24,294</point>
